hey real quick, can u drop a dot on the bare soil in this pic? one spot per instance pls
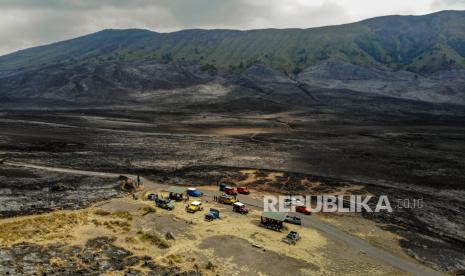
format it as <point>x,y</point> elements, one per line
<point>266,262</point>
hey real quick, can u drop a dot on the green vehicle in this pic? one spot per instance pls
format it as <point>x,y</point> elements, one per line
<point>165,203</point>
<point>293,220</point>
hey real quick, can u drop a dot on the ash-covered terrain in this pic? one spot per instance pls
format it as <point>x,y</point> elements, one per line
<point>28,191</point>
<point>97,256</point>
<point>181,124</point>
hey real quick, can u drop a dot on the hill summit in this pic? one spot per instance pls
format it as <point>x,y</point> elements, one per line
<point>421,44</point>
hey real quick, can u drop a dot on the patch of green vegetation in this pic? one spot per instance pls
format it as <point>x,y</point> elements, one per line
<point>209,68</point>
<point>210,266</point>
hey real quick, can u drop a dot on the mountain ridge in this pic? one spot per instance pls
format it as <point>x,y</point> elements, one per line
<point>421,44</point>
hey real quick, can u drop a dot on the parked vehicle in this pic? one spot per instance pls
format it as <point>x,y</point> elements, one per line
<point>230,191</point>
<point>152,196</point>
<point>194,192</point>
<point>292,238</point>
<point>272,220</point>
<point>227,199</point>
<point>239,207</point>
<point>176,193</point>
<point>194,206</point>
<point>243,190</point>
<point>212,214</point>
<point>293,220</point>
<point>222,186</point>
<point>302,209</point>
<point>165,203</point>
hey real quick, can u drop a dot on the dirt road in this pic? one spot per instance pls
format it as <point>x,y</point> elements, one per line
<point>401,263</point>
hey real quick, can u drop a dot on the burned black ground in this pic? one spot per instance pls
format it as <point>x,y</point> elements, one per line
<point>417,157</point>
<point>182,125</point>
<point>97,256</point>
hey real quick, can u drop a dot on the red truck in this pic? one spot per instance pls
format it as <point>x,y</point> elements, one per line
<point>230,191</point>
<point>243,190</point>
<point>302,209</point>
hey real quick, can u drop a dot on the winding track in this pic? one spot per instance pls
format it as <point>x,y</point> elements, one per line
<point>409,266</point>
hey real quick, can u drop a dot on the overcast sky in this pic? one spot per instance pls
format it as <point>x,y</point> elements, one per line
<point>26,23</point>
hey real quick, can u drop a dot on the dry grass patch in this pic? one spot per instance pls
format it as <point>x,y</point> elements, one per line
<point>96,222</point>
<point>57,262</point>
<point>174,259</point>
<point>155,239</point>
<point>147,210</point>
<point>44,227</point>
<point>101,212</point>
<point>116,225</point>
<point>122,215</point>
<point>130,240</point>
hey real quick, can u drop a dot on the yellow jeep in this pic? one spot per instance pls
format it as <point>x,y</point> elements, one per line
<point>227,199</point>
<point>194,206</point>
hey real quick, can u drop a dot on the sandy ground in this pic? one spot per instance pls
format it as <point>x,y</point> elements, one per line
<point>233,245</point>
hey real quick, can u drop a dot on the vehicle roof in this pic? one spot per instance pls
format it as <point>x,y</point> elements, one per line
<point>239,204</point>
<point>176,190</point>
<point>191,189</point>
<point>196,203</point>
<point>274,215</point>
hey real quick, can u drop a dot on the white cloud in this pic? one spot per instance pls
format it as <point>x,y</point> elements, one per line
<point>26,23</point>
<point>448,5</point>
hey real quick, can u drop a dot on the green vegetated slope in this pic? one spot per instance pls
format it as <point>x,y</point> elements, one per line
<point>426,43</point>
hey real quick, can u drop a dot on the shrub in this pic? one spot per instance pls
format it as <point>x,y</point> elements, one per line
<point>210,266</point>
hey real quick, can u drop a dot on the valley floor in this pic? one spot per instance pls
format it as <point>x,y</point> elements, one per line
<point>302,153</point>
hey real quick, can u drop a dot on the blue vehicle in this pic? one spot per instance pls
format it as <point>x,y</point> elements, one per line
<point>212,214</point>
<point>194,192</point>
<point>222,186</point>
